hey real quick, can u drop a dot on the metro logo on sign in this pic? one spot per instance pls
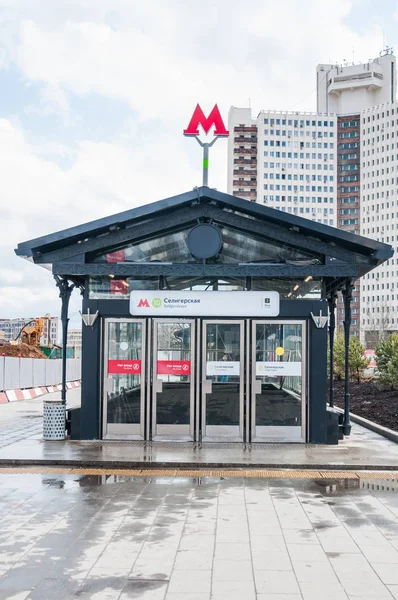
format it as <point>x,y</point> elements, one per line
<point>143,303</point>
<point>214,118</point>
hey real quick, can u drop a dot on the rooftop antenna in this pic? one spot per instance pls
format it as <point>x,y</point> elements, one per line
<point>353,55</point>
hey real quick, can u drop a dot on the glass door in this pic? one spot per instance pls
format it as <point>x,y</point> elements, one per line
<point>278,381</point>
<point>173,379</point>
<point>124,377</point>
<point>223,381</point>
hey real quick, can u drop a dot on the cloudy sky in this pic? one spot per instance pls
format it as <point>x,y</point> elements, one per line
<point>94,95</point>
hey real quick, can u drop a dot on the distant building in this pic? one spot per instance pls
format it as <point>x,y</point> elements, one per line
<point>75,341</point>
<point>51,335</point>
<point>13,327</point>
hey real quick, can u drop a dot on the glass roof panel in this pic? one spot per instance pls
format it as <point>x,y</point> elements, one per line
<point>237,247</point>
<point>119,288</point>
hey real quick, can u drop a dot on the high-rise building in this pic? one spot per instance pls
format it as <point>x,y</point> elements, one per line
<point>379,217</point>
<point>347,90</point>
<point>242,154</point>
<point>285,160</point>
<point>348,198</point>
<point>310,164</point>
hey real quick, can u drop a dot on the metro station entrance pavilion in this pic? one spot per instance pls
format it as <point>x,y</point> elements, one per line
<point>206,319</point>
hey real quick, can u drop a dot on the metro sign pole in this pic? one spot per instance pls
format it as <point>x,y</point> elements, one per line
<point>198,118</point>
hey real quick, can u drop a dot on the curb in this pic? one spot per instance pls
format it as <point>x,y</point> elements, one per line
<point>384,431</point>
<point>113,464</point>
<point>390,434</point>
<point>30,393</point>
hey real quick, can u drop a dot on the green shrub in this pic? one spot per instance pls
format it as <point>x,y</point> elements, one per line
<point>357,363</point>
<point>387,362</point>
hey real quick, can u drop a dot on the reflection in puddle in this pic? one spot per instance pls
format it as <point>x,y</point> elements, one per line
<point>334,486</point>
<point>379,485</point>
<point>281,488</point>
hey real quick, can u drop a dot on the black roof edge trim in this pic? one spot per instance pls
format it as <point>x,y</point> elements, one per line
<point>353,243</point>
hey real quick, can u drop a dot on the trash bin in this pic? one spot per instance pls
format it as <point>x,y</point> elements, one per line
<point>54,424</point>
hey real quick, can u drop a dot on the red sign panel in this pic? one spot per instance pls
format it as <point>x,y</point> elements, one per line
<point>124,367</point>
<point>214,118</point>
<point>115,257</point>
<point>174,367</point>
<point>371,356</point>
<point>119,287</point>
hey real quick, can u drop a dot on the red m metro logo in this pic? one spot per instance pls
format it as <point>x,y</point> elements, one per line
<point>143,304</point>
<point>214,118</point>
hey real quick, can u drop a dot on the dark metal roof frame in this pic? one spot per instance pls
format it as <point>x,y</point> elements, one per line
<point>325,233</point>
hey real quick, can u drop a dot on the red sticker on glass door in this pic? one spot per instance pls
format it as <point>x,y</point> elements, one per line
<point>174,367</point>
<point>119,367</point>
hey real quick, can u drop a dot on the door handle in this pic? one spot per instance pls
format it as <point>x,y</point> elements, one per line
<point>108,385</point>
<point>207,386</point>
<point>257,386</point>
<point>158,386</point>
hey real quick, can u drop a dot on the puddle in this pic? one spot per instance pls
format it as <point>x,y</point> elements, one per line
<point>379,485</point>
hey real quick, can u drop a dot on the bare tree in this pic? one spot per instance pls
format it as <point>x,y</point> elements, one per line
<point>378,323</point>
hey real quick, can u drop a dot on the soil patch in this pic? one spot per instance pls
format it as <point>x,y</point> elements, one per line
<point>23,350</point>
<point>367,401</point>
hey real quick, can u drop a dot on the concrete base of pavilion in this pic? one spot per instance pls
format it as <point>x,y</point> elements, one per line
<point>363,450</point>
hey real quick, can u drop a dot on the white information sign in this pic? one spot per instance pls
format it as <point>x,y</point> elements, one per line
<point>223,367</point>
<point>278,369</point>
<point>204,304</point>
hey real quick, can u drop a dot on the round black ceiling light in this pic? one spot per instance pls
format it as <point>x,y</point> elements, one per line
<point>204,241</point>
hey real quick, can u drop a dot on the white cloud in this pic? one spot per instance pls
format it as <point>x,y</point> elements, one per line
<point>160,58</point>
<point>196,54</point>
<point>38,197</point>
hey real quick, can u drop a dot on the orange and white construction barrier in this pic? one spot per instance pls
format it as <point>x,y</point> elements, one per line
<point>29,394</point>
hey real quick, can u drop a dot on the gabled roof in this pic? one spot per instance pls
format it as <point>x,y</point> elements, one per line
<point>256,241</point>
<point>378,251</point>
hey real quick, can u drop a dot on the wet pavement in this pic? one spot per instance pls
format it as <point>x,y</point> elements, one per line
<point>23,419</point>
<point>362,450</point>
<point>21,443</point>
<point>112,537</point>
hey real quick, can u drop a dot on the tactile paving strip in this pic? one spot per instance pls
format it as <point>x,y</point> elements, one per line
<point>225,473</point>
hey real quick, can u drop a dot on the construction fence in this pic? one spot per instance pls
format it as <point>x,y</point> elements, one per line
<point>22,373</point>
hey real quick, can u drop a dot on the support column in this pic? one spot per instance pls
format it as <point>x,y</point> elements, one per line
<point>347,297</point>
<point>65,291</point>
<point>206,146</point>
<point>206,165</point>
<point>332,300</point>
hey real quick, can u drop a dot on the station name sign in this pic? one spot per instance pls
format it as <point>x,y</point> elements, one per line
<point>204,304</point>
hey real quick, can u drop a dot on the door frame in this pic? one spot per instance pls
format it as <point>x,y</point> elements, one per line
<point>173,432</point>
<point>132,431</point>
<point>279,432</point>
<point>223,433</point>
